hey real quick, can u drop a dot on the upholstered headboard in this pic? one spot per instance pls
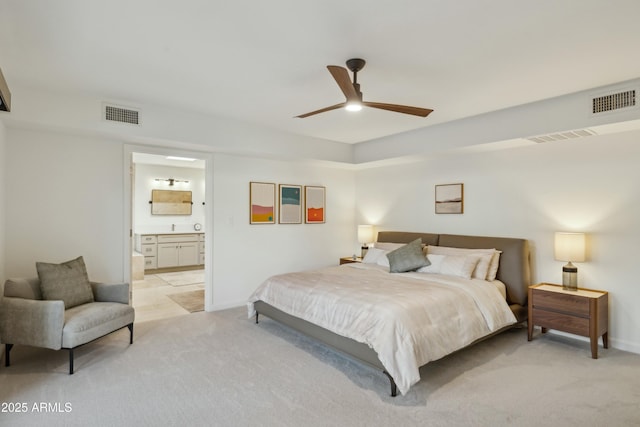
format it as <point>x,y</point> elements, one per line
<point>514,270</point>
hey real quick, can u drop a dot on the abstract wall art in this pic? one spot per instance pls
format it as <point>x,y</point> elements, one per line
<point>450,199</point>
<point>290,206</point>
<point>262,203</point>
<point>314,198</point>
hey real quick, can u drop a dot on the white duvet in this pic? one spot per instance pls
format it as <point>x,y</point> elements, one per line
<point>409,319</point>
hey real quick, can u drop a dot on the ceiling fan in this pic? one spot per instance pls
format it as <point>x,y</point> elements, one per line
<point>352,92</point>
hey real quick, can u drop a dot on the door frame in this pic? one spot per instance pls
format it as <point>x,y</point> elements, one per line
<point>128,243</point>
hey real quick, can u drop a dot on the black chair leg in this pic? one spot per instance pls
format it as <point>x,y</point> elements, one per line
<point>7,349</point>
<point>130,326</point>
<point>70,361</point>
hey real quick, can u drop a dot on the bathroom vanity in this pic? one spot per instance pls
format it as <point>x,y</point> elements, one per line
<point>171,251</point>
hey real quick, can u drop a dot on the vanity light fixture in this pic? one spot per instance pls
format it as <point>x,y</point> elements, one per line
<point>570,247</point>
<point>171,181</point>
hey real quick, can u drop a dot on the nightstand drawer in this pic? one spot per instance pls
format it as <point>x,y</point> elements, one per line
<point>561,322</point>
<point>562,302</point>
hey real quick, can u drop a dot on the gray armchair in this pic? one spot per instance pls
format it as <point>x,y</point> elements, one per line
<point>27,319</point>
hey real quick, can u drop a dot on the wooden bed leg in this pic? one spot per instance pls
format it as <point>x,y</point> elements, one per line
<point>256,317</point>
<point>394,387</point>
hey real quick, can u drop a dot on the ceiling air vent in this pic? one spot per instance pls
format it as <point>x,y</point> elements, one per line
<point>613,102</point>
<point>560,136</point>
<point>113,113</point>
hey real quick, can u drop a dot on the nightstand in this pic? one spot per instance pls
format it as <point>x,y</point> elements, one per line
<point>349,259</point>
<point>583,312</point>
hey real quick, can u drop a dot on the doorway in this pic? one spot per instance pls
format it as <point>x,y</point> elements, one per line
<point>168,258</point>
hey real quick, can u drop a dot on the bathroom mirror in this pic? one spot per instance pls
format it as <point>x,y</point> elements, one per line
<point>170,202</point>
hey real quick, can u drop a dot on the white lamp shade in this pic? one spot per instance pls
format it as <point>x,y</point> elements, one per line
<point>365,234</point>
<point>570,247</point>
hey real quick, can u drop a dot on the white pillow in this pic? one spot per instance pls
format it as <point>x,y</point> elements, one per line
<point>451,265</point>
<point>485,269</point>
<point>376,256</point>
<point>388,246</point>
<point>493,266</point>
<point>373,255</point>
<point>383,260</point>
<point>434,267</point>
<point>457,265</point>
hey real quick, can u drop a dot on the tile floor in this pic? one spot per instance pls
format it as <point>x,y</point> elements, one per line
<point>150,294</point>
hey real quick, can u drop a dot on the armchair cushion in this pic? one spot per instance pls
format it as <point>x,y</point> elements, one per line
<point>86,322</point>
<point>68,282</point>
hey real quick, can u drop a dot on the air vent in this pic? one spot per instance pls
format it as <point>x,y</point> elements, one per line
<point>560,136</point>
<point>113,113</point>
<point>613,102</point>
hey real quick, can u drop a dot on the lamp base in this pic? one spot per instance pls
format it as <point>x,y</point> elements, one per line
<point>363,251</point>
<point>570,277</point>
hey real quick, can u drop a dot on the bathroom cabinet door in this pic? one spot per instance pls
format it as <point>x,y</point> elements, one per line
<point>188,253</point>
<point>167,255</point>
<point>177,254</point>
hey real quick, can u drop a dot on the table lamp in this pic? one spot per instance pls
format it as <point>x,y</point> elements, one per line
<point>570,247</point>
<point>365,236</point>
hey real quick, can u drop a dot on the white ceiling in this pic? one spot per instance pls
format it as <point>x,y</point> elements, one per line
<point>265,61</point>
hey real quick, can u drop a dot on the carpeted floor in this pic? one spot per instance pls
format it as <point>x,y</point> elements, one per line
<point>192,301</point>
<point>221,369</point>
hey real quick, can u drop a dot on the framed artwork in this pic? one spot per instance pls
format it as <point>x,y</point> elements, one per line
<point>290,206</point>
<point>314,200</point>
<point>169,202</point>
<point>450,199</point>
<point>262,203</point>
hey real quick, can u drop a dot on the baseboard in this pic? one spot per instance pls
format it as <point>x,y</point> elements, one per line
<point>218,307</point>
<point>613,342</point>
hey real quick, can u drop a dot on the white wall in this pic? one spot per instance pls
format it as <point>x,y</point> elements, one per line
<point>244,255</point>
<point>68,198</point>
<point>589,185</point>
<point>3,181</point>
<point>145,182</point>
<point>64,200</point>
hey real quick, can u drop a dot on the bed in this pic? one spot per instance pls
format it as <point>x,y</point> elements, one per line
<point>345,312</point>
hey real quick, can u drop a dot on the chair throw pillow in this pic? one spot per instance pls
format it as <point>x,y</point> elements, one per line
<point>68,282</point>
<point>407,258</point>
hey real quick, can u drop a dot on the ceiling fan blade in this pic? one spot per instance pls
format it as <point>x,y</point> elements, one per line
<point>333,107</point>
<point>341,76</point>
<point>416,111</point>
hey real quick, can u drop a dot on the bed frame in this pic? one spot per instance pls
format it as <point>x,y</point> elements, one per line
<point>514,272</point>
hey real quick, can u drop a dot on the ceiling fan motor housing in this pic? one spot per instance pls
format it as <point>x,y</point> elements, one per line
<point>356,64</point>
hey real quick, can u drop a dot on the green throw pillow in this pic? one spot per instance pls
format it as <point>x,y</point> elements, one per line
<point>68,282</point>
<point>407,258</point>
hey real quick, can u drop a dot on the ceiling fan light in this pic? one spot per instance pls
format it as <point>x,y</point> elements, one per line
<point>353,106</point>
